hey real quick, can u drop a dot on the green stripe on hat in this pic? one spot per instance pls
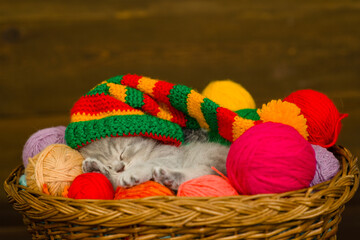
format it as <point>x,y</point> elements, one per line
<point>116,79</point>
<point>79,134</point>
<point>99,89</point>
<point>208,108</point>
<point>134,97</point>
<point>178,97</point>
<point>248,113</point>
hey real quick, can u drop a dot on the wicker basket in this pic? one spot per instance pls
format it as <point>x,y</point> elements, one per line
<point>312,213</point>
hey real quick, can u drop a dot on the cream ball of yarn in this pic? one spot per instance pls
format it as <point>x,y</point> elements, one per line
<point>55,167</point>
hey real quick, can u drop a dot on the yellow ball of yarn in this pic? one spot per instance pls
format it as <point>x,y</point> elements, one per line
<point>229,94</point>
<point>54,168</point>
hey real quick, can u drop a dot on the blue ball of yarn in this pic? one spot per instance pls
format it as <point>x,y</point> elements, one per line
<point>22,180</point>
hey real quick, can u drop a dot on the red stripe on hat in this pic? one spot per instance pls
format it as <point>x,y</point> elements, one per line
<point>150,106</point>
<point>164,139</point>
<point>225,119</point>
<point>177,116</point>
<point>131,80</point>
<point>162,90</point>
<point>98,103</point>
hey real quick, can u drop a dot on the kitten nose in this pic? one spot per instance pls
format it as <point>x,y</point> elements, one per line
<point>119,167</point>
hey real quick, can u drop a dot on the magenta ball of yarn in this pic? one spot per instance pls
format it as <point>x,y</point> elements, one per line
<point>41,139</point>
<point>327,165</point>
<point>270,158</point>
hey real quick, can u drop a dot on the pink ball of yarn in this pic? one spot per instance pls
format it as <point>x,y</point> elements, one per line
<point>206,186</point>
<point>327,165</point>
<point>41,139</point>
<point>270,158</point>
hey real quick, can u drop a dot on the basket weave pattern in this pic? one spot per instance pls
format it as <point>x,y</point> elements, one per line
<point>312,213</point>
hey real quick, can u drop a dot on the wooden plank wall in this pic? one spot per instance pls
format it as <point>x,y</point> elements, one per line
<point>51,52</point>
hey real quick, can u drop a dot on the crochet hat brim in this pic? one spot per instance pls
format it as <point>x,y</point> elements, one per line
<point>79,134</point>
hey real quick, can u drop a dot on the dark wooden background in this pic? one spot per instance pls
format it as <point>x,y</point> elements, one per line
<point>51,52</point>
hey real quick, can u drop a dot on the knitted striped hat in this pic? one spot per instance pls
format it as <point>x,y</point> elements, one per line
<point>132,105</point>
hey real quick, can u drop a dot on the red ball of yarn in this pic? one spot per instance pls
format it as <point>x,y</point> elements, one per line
<point>206,186</point>
<point>146,189</point>
<point>323,118</point>
<point>91,186</point>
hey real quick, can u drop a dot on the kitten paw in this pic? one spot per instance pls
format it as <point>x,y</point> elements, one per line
<point>170,179</point>
<point>128,181</point>
<point>132,177</point>
<point>94,165</point>
<point>90,165</point>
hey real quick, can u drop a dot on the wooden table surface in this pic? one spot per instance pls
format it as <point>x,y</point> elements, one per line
<point>51,53</point>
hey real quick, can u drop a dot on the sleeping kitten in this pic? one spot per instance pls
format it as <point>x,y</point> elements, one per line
<point>129,161</point>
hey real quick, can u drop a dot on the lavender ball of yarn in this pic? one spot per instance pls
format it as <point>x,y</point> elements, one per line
<point>327,165</point>
<point>41,139</point>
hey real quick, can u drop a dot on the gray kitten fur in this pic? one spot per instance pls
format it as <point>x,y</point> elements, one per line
<point>129,161</point>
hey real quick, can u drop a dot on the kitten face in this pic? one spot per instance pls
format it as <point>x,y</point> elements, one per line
<point>119,153</point>
<point>125,161</point>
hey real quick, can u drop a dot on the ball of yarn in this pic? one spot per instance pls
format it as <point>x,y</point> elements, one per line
<point>206,186</point>
<point>41,139</point>
<point>229,94</point>
<point>270,158</point>
<point>327,165</point>
<point>323,118</point>
<point>248,113</point>
<point>91,185</point>
<point>22,180</point>
<point>146,189</point>
<point>55,167</point>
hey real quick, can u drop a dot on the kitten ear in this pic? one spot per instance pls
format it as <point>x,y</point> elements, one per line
<point>195,135</point>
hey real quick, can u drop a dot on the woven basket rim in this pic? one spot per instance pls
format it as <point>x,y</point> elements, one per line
<point>302,204</point>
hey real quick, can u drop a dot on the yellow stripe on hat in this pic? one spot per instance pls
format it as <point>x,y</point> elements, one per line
<point>240,125</point>
<point>79,117</point>
<point>164,112</point>
<point>146,85</point>
<point>117,91</point>
<point>194,102</point>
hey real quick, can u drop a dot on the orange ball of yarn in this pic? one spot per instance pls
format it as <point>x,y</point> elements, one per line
<point>146,189</point>
<point>206,186</point>
<point>53,169</point>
